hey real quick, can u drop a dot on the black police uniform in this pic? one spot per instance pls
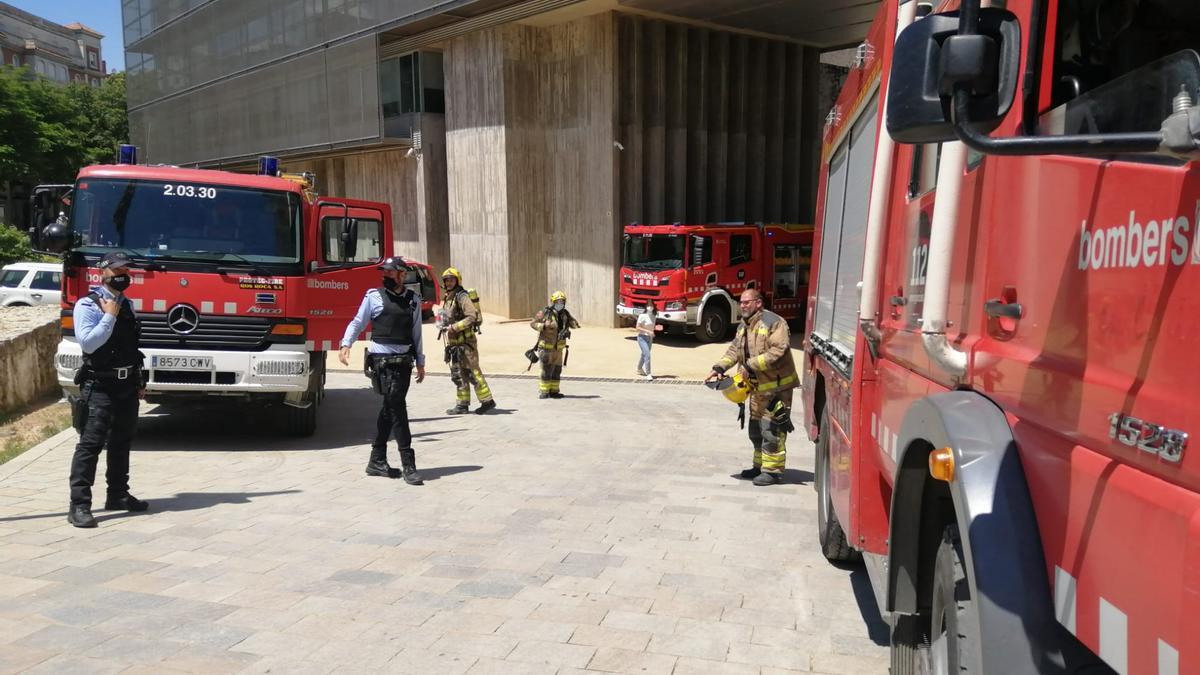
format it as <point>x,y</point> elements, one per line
<point>109,380</point>
<point>394,326</point>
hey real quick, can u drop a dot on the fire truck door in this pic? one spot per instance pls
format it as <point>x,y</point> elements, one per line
<point>350,241</point>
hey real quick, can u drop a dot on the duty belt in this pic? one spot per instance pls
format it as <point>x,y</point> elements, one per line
<point>392,360</point>
<point>122,373</point>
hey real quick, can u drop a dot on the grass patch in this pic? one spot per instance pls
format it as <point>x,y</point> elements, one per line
<point>24,429</point>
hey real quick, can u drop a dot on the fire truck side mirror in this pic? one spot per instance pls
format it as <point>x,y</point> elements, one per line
<point>931,59</point>
<point>349,238</point>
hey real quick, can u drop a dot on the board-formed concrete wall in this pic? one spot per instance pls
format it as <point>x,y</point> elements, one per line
<point>28,339</point>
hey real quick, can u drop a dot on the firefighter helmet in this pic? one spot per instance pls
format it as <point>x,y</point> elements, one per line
<point>736,388</point>
<point>452,272</point>
<point>556,296</point>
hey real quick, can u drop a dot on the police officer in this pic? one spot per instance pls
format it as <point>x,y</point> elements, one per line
<point>110,384</point>
<point>458,319</point>
<point>394,313</point>
<point>553,324</point>
<point>762,346</point>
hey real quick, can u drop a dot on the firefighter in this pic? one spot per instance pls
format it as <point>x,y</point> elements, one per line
<point>553,324</point>
<point>762,347</point>
<point>458,320</point>
<point>394,313</point>
<point>110,384</point>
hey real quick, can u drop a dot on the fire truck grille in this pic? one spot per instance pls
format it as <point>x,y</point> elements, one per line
<point>242,333</point>
<point>646,291</point>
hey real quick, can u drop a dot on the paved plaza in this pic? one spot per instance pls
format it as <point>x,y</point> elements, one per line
<point>601,532</point>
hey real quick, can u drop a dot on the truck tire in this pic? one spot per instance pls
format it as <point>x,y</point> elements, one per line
<point>952,614</point>
<point>302,422</point>
<point>714,323</point>
<point>832,537</point>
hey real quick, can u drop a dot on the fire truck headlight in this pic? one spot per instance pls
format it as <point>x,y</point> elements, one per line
<point>70,361</point>
<point>675,306</point>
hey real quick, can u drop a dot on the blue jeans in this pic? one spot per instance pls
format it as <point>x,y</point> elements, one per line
<point>644,343</point>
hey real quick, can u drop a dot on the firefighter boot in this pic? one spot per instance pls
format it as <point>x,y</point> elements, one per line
<point>751,473</point>
<point>768,478</point>
<point>378,466</point>
<point>485,407</point>
<point>408,464</point>
<point>460,409</point>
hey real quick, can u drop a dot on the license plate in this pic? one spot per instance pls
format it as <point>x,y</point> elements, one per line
<point>182,362</point>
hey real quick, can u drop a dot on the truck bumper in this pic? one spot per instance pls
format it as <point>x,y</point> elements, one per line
<point>279,369</point>
<point>681,318</point>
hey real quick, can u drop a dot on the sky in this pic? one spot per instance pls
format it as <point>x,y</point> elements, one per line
<point>102,16</point>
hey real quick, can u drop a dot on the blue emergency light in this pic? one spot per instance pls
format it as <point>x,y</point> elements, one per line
<point>268,166</point>
<point>127,154</point>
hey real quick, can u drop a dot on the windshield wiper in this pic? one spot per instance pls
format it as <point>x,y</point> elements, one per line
<point>245,262</point>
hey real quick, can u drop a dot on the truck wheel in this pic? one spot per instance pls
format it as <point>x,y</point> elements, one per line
<point>952,616</point>
<point>303,421</point>
<point>942,641</point>
<point>834,546</point>
<point>714,323</point>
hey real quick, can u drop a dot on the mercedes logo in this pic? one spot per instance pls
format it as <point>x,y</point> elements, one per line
<point>183,319</point>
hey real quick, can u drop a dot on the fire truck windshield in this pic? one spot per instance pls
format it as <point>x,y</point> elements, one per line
<point>654,251</point>
<point>188,221</point>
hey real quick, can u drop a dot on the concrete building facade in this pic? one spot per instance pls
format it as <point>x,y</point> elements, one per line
<point>64,54</point>
<point>512,139</point>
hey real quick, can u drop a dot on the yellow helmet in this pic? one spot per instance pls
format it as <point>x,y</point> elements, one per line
<point>452,272</point>
<point>556,296</point>
<point>735,388</point>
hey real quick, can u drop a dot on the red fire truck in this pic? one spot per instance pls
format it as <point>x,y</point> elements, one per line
<point>694,273</point>
<point>243,282</point>
<point>1002,418</point>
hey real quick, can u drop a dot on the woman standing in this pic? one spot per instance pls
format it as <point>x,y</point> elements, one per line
<point>646,327</point>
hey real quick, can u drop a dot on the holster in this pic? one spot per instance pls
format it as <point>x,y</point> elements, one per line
<point>384,369</point>
<point>79,407</point>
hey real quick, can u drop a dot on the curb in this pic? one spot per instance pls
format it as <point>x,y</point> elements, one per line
<point>14,466</point>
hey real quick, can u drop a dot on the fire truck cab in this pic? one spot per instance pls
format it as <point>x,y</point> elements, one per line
<point>694,273</point>
<point>241,283</point>
<point>1003,417</point>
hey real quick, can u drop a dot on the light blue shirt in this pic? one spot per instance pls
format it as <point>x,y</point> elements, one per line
<point>93,326</point>
<point>371,307</point>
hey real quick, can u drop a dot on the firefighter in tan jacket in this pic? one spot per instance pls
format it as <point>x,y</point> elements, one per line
<point>762,347</point>
<point>553,325</point>
<point>458,319</point>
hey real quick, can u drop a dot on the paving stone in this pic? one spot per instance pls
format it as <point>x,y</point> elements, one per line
<point>265,557</point>
<point>555,653</point>
<point>616,660</point>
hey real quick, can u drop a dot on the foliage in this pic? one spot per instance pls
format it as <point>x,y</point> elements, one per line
<point>14,245</point>
<point>49,131</point>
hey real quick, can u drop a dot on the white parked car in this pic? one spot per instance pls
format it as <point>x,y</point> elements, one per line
<point>23,284</point>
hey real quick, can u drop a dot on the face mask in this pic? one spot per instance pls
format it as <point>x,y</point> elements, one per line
<point>119,282</point>
<point>558,306</point>
<point>390,283</point>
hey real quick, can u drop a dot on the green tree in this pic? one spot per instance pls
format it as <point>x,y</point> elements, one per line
<point>14,245</point>
<point>48,131</point>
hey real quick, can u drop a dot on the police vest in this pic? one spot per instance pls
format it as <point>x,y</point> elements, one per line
<point>121,348</point>
<point>394,325</point>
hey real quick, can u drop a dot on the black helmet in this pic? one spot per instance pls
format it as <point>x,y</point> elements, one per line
<point>394,263</point>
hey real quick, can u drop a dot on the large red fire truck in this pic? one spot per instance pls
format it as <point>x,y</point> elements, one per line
<point>242,282</point>
<point>694,273</point>
<point>1002,418</point>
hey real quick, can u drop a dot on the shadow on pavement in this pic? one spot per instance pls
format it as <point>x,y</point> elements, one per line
<point>864,595</point>
<point>797,477</point>
<point>581,396</point>
<point>346,417</point>
<point>436,472</point>
<point>183,501</point>
<point>436,433</point>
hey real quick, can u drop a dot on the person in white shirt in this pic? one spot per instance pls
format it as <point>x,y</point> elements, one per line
<point>646,327</point>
